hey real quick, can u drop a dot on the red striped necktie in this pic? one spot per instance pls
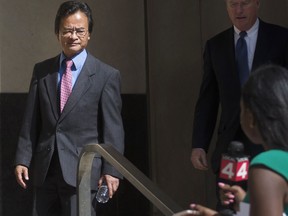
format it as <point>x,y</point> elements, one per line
<point>66,84</point>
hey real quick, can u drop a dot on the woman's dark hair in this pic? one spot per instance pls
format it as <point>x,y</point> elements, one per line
<point>266,95</point>
<point>70,7</point>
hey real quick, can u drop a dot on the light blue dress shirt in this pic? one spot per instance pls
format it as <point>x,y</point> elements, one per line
<point>78,62</point>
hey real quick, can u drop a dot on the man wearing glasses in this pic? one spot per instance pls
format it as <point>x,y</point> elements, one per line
<point>74,100</point>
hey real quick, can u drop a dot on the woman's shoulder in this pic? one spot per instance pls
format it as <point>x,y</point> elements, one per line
<point>275,160</point>
<point>274,154</point>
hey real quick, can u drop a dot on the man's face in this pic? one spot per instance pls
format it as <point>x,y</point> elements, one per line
<point>243,13</point>
<point>73,33</point>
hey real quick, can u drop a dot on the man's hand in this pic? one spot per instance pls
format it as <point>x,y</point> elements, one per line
<point>199,159</point>
<point>21,173</point>
<point>112,183</point>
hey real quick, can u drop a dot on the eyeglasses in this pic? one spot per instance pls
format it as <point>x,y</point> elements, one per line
<point>81,32</point>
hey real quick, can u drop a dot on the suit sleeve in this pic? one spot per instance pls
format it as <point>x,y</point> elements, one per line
<point>30,126</point>
<point>112,126</point>
<point>206,110</point>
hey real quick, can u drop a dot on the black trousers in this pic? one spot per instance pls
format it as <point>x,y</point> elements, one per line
<point>55,197</point>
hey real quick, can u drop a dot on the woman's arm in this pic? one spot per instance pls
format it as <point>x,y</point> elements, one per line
<point>267,192</point>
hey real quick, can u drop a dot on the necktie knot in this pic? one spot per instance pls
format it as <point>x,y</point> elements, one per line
<point>69,64</point>
<point>243,34</point>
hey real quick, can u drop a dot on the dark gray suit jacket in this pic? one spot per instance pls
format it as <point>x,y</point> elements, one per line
<point>92,114</point>
<point>221,86</point>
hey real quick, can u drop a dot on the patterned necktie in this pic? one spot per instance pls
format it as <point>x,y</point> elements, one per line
<point>242,58</point>
<point>66,84</point>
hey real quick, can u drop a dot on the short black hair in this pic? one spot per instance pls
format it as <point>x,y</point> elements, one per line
<point>266,95</point>
<point>70,7</point>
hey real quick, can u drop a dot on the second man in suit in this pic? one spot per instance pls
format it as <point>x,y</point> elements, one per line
<point>221,86</point>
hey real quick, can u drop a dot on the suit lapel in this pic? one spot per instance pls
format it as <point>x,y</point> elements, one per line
<point>231,51</point>
<point>81,86</point>
<point>51,86</point>
<point>227,48</point>
<point>261,46</point>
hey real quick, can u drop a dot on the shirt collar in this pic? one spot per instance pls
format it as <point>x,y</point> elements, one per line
<point>78,60</point>
<point>252,30</point>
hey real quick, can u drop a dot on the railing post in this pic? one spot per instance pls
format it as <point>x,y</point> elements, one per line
<point>127,169</point>
<point>84,183</point>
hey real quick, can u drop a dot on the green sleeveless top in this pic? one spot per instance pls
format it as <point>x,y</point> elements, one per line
<point>275,160</point>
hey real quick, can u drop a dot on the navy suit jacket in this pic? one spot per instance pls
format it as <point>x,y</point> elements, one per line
<point>92,114</point>
<point>221,86</point>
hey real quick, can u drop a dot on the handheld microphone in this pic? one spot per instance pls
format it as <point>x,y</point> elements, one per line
<point>234,164</point>
<point>226,212</point>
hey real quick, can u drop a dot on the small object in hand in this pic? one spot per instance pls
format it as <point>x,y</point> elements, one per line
<point>102,195</point>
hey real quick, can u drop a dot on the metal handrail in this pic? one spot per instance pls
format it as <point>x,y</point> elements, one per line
<point>167,206</point>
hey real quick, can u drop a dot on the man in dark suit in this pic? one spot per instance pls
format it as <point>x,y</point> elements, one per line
<point>266,43</point>
<point>52,136</point>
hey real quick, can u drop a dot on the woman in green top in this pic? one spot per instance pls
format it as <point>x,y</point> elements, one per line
<point>264,119</point>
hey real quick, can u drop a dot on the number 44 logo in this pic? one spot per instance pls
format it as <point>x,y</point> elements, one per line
<point>234,169</point>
